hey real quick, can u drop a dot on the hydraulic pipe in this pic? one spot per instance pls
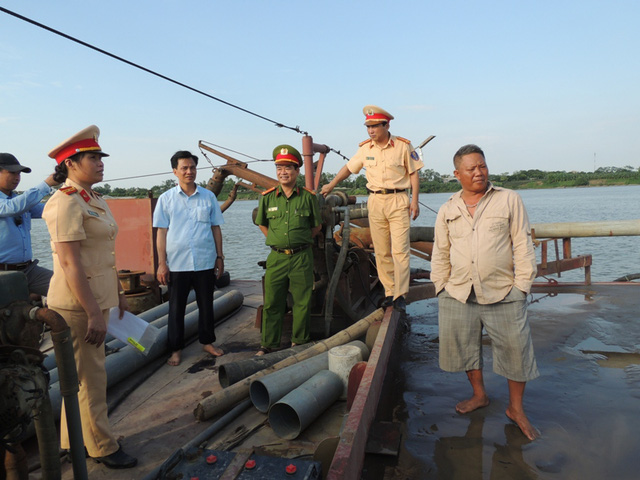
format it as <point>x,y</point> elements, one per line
<point>233,372</point>
<point>295,412</point>
<point>68,389</point>
<point>266,391</point>
<point>612,228</point>
<point>47,440</point>
<point>224,399</point>
<point>337,271</point>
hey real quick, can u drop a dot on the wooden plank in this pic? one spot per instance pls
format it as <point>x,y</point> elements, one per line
<point>349,457</point>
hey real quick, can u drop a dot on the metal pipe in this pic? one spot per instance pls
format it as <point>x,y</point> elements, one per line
<point>159,472</point>
<point>421,234</point>
<point>337,271</point>
<point>113,343</point>
<point>224,399</point>
<point>612,228</point>
<point>359,210</point>
<point>295,412</point>
<point>266,391</point>
<point>128,360</point>
<point>233,372</point>
<point>47,435</point>
<point>307,158</point>
<point>67,389</point>
<point>150,316</point>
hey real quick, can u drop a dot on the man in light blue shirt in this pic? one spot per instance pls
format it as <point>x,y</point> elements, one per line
<point>16,212</point>
<point>189,244</point>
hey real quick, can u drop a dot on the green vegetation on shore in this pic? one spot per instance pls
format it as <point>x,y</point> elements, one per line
<point>432,182</point>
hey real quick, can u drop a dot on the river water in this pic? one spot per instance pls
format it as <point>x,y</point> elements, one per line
<point>585,401</point>
<point>612,256</point>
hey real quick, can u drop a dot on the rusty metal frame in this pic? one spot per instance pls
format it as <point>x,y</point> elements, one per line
<point>349,456</point>
<point>564,263</point>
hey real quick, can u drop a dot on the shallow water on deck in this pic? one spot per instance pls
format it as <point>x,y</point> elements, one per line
<point>586,407</point>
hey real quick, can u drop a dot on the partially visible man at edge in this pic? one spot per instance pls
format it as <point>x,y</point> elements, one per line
<point>16,212</point>
<point>392,167</point>
<point>483,265</point>
<point>190,255</point>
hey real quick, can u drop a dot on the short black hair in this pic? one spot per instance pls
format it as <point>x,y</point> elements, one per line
<point>182,154</point>
<point>466,150</point>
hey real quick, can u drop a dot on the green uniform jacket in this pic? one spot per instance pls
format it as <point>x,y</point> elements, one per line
<point>289,220</point>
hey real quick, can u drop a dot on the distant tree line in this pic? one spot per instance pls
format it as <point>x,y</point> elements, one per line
<point>430,182</point>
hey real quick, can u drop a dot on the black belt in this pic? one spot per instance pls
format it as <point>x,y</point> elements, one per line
<point>15,266</point>
<point>386,191</point>
<point>290,251</point>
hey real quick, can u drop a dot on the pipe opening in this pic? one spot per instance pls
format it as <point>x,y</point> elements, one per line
<point>285,421</point>
<point>260,396</point>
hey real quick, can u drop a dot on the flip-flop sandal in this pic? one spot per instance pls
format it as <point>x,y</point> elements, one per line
<point>263,351</point>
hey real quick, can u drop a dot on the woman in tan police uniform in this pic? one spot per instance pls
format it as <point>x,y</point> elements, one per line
<point>85,284</point>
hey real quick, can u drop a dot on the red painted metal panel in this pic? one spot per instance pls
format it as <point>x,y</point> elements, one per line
<point>135,244</point>
<point>349,457</point>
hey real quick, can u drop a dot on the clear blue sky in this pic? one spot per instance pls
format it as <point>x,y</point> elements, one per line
<point>552,85</point>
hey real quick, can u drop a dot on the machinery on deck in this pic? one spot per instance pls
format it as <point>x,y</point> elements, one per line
<point>346,286</point>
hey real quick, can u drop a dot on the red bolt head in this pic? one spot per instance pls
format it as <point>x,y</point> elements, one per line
<point>291,469</point>
<point>211,459</point>
<point>195,478</point>
<point>251,464</point>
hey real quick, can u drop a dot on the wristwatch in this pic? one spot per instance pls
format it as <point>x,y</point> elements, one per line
<point>220,256</point>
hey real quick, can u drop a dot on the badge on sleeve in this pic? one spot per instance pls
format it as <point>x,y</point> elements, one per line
<point>414,156</point>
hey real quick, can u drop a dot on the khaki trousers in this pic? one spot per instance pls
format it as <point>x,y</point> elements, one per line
<point>389,221</point>
<point>92,397</point>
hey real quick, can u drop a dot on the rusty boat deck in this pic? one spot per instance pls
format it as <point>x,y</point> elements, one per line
<point>152,413</point>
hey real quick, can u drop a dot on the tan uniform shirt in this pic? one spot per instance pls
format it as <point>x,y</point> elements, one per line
<point>387,167</point>
<point>491,251</point>
<point>81,216</point>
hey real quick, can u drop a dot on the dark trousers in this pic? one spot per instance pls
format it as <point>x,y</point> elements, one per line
<point>180,283</point>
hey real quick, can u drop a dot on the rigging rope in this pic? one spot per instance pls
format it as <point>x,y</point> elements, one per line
<point>164,77</point>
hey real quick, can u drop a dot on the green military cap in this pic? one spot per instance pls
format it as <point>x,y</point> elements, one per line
<point>284,154</point>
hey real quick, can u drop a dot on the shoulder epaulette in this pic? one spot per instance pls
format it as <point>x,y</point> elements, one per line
<point>69,190</point>
<point>269,191</point>
<point>310,191</point>
<point>364,143</point>
<point>403,140</point>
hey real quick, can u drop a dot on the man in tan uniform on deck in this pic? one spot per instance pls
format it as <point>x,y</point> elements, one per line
<point>392,168</point>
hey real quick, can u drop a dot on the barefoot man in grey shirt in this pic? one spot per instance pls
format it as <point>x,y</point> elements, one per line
<point>483,265</point>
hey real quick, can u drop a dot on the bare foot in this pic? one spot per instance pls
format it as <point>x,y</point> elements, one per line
<point>521,420</point>
<point>472,404</point>
<point>210,349</point>
<point>174,359</point>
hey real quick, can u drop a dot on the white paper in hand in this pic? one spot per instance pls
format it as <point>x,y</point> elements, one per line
<point>132,330</point>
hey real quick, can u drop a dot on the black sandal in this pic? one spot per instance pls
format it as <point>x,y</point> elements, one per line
<point>262,351</point>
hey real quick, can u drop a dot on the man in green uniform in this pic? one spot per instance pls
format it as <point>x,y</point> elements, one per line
<point>289,217</point>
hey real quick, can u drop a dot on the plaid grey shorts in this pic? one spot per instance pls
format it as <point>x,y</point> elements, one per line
<point>460,328</point>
